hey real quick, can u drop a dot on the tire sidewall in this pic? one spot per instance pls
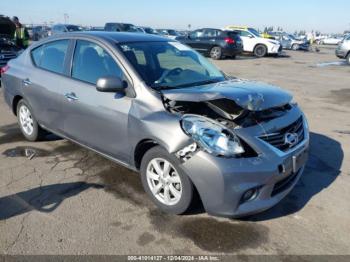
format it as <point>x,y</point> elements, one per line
<point>187,187</point>
<point>348,59</point>
<point>35,135</point>
<point>260,46</point>
<point>220,53</point>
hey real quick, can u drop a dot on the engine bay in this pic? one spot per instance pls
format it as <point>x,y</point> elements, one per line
<point>226,111</point>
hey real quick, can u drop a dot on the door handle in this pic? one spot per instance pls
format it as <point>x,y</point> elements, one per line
<point>71,97</point>
<point>27,82</point>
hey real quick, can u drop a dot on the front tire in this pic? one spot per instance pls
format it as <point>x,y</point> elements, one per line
<point>295,47</point>
<point>260,51</point>
<point>348,59</point>
<point>166,184</point>
<point>27,122</point>
<point>216,53</point>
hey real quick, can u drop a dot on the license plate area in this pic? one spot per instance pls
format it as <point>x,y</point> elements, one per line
<point>299,160</point>
<point>292,164</point>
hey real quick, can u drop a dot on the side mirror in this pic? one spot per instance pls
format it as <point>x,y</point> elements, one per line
<point>110,84</point>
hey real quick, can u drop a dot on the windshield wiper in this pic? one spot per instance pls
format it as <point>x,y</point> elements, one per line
<point>200,83</point>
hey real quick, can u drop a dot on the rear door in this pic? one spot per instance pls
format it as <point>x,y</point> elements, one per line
<point>210,39</point>
<point>248,40</point>
<point>42,85</point>
<point>95,119</point>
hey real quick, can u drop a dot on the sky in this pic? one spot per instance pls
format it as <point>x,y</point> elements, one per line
<point>322,15</point>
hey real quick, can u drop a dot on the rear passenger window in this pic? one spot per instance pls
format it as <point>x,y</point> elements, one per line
<point>51,56</point>
<point>91,62</point>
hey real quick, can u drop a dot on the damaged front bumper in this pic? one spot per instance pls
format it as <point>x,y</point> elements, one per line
<point>236,187</point>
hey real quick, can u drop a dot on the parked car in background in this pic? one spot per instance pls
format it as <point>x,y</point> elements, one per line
<point>343,49</point>
<point>121,27</point>
<point>8,47</point>
<point>214,42</point>
<point>170,33</point>
<point>40,32</point>
<point>64,28</point>
<point>267,35</point>
<point>29,30</point>
<point>156,106</point>
<point>254,43</point>
<point>149,30</point>
<point>288,41</point>
<point>96,28</point>
<point>332,40</point>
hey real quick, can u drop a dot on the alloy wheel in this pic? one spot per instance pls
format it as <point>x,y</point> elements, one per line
<point>26,120</point>
<point>215,53</point>
<point>164,181</point>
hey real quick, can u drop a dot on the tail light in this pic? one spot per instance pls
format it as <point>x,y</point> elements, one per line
<point>4,69</point>
<point>229,40</point>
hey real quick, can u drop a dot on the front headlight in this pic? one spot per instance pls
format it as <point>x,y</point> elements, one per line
<point>213,137</point>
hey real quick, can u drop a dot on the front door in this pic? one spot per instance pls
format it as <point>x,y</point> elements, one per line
<point>96,119</point>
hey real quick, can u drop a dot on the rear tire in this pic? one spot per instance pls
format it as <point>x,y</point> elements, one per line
<point>216,53</point>
<point>260,51</point>
<point>166,184</point>
<point>27,122</point>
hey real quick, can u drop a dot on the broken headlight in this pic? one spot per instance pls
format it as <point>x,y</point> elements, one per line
<point>213,137</point>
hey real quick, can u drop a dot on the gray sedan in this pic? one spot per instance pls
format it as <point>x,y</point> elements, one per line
<point>160,108</point>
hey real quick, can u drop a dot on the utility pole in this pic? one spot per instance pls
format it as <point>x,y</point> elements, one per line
<point>66,18</point>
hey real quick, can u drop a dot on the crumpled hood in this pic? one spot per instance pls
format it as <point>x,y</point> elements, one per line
<point>254,96</point>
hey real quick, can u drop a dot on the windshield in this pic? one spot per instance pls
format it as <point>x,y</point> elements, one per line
<point>172,32</point>
<point>254,32</point>
<point>73,28</point>
<point>292,37</point>
<point>129,28</point>
<point>167,65</point>
<point>150,31</point>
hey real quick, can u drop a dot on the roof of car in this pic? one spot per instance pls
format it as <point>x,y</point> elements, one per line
<point>117,37</point>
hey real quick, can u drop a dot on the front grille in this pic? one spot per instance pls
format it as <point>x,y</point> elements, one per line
<point>284,184</point>
<point>278,138</point>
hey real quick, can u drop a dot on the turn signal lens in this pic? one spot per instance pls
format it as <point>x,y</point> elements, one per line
<point>4,69</point>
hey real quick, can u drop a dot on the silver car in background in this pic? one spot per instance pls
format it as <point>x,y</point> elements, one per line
<point>343,49</point>
<point>158,107</point>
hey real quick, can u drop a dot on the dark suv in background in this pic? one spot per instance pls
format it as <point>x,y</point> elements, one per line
<point>121,27</point>
<point>214,42</point>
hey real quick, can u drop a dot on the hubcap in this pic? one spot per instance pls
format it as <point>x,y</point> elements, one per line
<point>215,52</point>
<point>260,51</point>
<point>26,120</point>
<point>164,181</point>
